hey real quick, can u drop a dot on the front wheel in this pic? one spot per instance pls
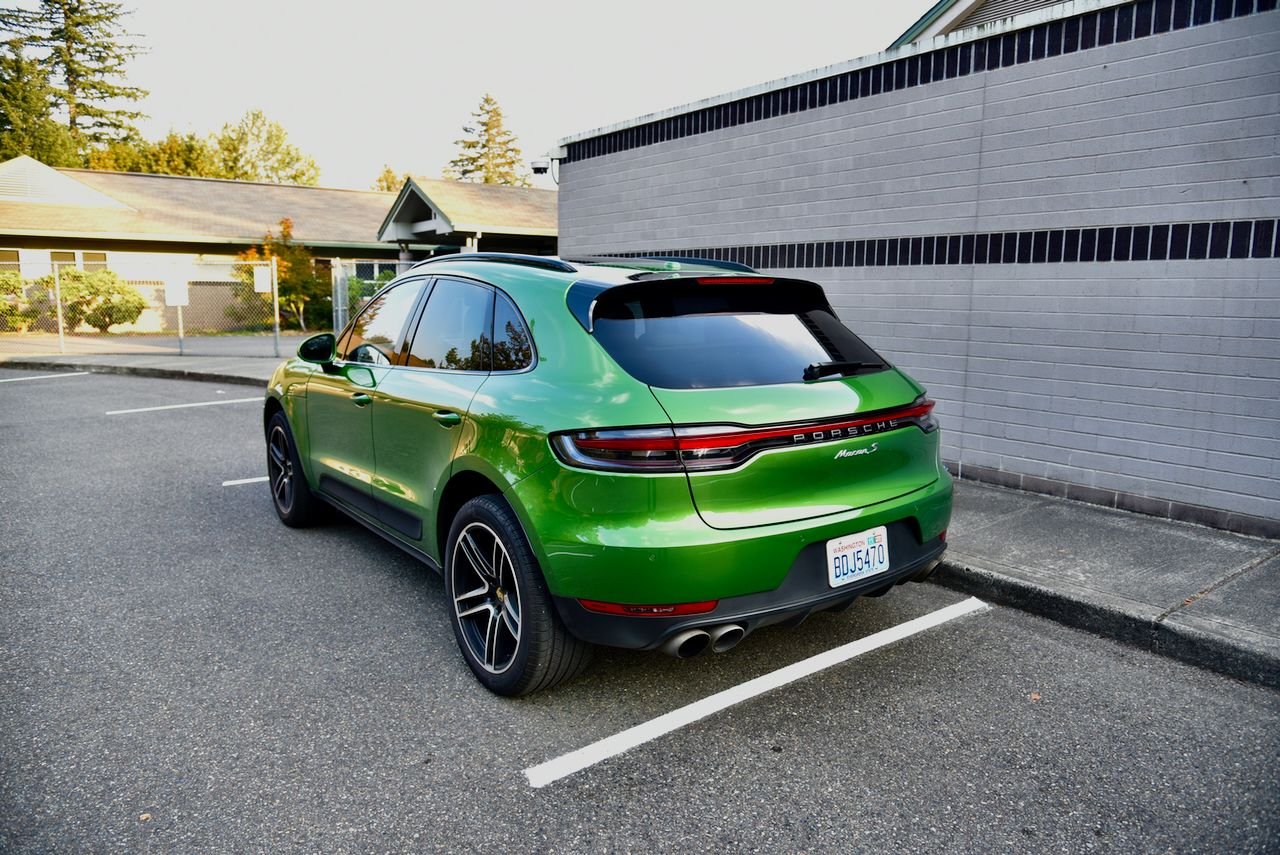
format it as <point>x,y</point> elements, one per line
<point>503,618</point>
<point>296,506</point>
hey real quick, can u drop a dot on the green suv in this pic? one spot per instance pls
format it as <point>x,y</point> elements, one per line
<point>647,453</point>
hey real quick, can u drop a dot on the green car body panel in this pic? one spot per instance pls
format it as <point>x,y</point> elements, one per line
<point>614,537</point>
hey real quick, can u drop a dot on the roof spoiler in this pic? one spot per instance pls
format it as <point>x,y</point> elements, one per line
<point>679,259</point>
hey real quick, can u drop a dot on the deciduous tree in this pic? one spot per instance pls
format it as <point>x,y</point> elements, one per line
<point>258,149</point>
<point>390,181</point>
<point>175,154</point>
<point>488,154</point>
<point>302,292</point>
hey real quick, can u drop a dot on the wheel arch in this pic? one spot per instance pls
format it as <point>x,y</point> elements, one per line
<point>463,486</point>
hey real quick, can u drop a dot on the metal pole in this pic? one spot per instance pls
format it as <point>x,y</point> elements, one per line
<point>57,299</point>
<point>275,302</point>
<point>180,350</point>
<point>335,275</point>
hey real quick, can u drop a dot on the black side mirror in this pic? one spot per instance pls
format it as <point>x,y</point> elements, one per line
<point>319,349</point>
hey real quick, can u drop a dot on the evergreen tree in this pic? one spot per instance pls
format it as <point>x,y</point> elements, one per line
<point>258,149</point>
<point>87,51</point>
<point>488,154</point>
<point>27,125</point>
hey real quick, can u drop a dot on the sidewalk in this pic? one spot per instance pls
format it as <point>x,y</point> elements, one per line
<point>1197,594</point>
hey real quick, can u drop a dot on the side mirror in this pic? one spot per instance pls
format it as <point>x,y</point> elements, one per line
<point>319,349</point>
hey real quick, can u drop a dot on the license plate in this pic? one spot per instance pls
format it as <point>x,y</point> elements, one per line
<point>857,556</point>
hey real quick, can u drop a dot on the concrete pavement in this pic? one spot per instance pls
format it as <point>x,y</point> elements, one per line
<point>1196,594</point>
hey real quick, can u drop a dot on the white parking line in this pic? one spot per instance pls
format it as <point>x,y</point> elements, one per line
<point>575,761</point>
<point>44,376</point>
<point>183,406</point>
<point>239,481</point>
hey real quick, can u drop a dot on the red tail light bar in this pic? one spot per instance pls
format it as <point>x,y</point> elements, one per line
<point>700,448</point>
<point>660,610</point>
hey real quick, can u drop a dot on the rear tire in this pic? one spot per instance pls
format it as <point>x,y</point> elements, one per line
<point>294,502</point>
<point>503,619</point>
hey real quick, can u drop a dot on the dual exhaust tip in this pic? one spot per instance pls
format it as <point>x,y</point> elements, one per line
<point>691,642</point>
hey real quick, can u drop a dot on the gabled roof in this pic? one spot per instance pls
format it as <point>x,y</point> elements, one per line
<point>25,179</point>
<point>427,208</point>
<point>948,16</point>
<point>133,206</point>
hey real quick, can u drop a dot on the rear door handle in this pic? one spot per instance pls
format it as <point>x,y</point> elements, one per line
<point>360,399</point>
<point>448,418</point>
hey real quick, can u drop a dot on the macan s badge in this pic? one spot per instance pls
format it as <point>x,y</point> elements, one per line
<point>857,452</point>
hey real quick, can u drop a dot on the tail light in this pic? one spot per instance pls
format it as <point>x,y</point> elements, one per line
<point>701,448</point>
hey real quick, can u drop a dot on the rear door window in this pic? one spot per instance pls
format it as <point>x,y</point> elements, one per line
<point>455,328</point>
<point>695,336</point>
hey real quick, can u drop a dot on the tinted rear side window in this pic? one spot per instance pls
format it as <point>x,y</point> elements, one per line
<point>512,347</point>
<point>697,336</point>
<point>455,326</point>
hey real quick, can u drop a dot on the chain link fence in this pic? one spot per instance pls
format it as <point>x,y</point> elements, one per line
<point>174,306</point>
<point>355,280</point>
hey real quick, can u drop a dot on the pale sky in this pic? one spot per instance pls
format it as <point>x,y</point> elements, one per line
<point>360,84</point>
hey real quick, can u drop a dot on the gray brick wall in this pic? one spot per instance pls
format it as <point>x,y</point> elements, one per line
<point>1160,379</point>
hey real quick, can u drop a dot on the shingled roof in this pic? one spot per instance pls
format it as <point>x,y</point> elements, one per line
<point>39,201</point>
<point>427,208</point>
<point>180,208</point>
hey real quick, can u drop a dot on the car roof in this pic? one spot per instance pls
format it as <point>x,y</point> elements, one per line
<point>510,268</point>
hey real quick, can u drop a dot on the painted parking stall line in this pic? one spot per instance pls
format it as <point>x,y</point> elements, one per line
<point>257,399</point>
<point>262,479</point>
<point>575,761</point>
<point>46,377</point>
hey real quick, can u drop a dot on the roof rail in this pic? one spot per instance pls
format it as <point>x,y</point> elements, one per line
<point>543,262</point>
<point>683,259</point>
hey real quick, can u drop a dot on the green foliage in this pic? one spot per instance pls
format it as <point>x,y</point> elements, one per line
<point>390,181</point>
<point>302,291</point>
<point>258,149</point>
<point>488,154</point>
<point>360,290</point>
<point>98,298</point>
<point>12,298</point>
<point>27,125</point>
<point>84,49</point>
<point>175,154</point>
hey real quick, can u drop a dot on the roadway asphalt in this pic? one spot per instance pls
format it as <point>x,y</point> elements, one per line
<point>179,672</point>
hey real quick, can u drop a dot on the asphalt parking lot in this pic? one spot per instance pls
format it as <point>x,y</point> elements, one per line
<point>180,672</point>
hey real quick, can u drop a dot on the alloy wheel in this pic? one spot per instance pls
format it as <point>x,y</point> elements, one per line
<point>280,469</point>
<point>488,607</point>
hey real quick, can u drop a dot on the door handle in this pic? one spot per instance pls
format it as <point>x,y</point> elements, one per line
<point>360,399</point>
<point>448,418</point>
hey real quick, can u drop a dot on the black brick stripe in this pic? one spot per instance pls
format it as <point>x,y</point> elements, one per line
<point>1154,242</point>
<point>1083,32</point>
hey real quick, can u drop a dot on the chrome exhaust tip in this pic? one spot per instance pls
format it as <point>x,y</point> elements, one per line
<point>726,637</point>
<point>687,644</point>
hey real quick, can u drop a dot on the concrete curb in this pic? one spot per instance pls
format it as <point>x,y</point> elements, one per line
<point>1155,636</point>
<point>135,370</point>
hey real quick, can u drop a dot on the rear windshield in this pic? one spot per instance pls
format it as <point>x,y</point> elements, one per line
<point>692,336</point>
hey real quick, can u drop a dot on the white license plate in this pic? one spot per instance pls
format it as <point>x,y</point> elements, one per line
<point>857,556</point>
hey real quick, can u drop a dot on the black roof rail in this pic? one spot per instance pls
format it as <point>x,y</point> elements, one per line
<point>542,262</point>
<point>684,259</point>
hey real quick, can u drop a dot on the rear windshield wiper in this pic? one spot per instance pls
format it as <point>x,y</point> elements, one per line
<point>818,370</point>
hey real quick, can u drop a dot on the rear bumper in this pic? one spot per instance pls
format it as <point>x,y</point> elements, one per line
<point>639,539</point>
<point>804,590</point>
